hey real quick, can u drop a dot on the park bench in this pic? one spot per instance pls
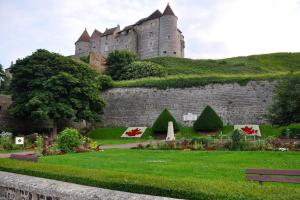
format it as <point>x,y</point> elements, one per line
<point>270,175</point>
<point>25,157</point>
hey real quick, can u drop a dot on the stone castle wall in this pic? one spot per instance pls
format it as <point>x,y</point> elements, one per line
<point>141,106</point>
<point>234,103</point>
<point>148,34</point>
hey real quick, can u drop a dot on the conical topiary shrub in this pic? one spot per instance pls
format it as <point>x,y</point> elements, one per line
<point>208,120</point>
<point>161,123</point>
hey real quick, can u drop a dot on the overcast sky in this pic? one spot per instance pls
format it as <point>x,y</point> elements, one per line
<point>212,28</point>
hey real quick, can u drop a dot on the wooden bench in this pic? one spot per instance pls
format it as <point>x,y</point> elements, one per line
<point>25,157</point>
<point>270,175</point>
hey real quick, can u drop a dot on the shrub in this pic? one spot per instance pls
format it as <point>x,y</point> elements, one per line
<point>208,120</point>
<point>69,139</point>
<point>117,60</point>
<point>105,82</point>
<point>161,123</point>
<point>141,69</point>
<point>6,142</point>
<point>291,131</point>
<point>236,137</point>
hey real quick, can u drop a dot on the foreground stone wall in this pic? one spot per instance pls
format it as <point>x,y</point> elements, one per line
<point>234,103</point>
<point>21,187</point>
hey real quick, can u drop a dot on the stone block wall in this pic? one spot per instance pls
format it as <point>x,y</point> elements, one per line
<point>236,104</point>
<point>21,187</point>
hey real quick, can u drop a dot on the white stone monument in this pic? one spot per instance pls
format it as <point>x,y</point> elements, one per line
<point>170,135</point>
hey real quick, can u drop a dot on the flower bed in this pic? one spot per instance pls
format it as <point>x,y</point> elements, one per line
<point>134,132</point>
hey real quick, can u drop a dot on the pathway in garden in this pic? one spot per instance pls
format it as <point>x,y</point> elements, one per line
<point>7,155</point>
<point>126,146</point>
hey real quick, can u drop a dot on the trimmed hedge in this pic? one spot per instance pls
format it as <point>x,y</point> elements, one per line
<point>154,185</point>
<point>141,69</point>
<point>161,123</point>
<point>208,121</point>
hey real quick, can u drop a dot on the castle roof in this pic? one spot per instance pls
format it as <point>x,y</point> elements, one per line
<point>154,15</point>
<point>85,37</point>
<point>168,11</point>
<point>96,34</point>
<point>110,31</point>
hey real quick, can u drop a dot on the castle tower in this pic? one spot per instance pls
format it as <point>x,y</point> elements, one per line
<point>83,45</point>
<point>169,37</point>
<point>96,41</point>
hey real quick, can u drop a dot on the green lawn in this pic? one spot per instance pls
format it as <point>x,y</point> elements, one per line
<point>181,174</point>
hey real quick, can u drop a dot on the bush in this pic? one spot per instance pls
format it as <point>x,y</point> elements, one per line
<point>117,60</point>
<point>105,82</point>
<point>69,139</point>
<point>236,137</point>
<point>291,131</point>
<point>208,121</point>
<point>141,69</point>
<point>161,123</point>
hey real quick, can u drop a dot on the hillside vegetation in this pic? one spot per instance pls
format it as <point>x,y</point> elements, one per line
<point>184,72</point>
<point>255,64</point>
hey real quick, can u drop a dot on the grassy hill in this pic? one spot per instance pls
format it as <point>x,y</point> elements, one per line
<point>255,64</point>
<point>184,72</point>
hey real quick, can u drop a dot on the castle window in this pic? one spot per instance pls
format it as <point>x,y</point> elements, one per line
<point>151,34</point>
<point>150,43</point>
<point>106,48</point>
<point>174,52</point>
<point>169,36</point>
<point>164,52</point>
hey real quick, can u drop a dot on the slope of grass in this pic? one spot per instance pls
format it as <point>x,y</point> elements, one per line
<point>179,174</point>
<point>255,64</point>
<point>184,72</point>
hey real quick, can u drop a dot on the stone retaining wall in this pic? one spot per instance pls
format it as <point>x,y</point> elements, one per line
<point>21,187</point>
<point>236,104</point>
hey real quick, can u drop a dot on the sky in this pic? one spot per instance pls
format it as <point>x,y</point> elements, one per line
<point>212,28</point>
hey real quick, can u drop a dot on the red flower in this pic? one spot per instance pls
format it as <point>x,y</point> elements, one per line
<point>249,130</point>
<point>134,132</point>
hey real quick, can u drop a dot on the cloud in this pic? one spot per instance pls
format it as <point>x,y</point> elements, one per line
<point>212,28</point>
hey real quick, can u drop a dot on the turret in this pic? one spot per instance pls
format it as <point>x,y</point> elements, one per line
<point>169,42</point>
<point>96,41</point>
<point>83,45</point>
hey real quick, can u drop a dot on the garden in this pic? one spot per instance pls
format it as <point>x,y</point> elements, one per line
<point>206,160</point>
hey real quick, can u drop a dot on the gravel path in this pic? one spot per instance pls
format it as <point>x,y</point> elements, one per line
<point>7,155</point>
<point>126,146</point>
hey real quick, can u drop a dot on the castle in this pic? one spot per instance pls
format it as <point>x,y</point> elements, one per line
<point>153,36</point>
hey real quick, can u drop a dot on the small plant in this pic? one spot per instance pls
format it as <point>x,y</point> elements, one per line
<point>236,137</point>
<point>38,144</point>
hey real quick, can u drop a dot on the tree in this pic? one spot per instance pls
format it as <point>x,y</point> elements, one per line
<point>208,120</point>
<point>50,86</point>
<point>116,61</point>
<point>161,123</point>
<point>285,108</point>
<point>4,80</point>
